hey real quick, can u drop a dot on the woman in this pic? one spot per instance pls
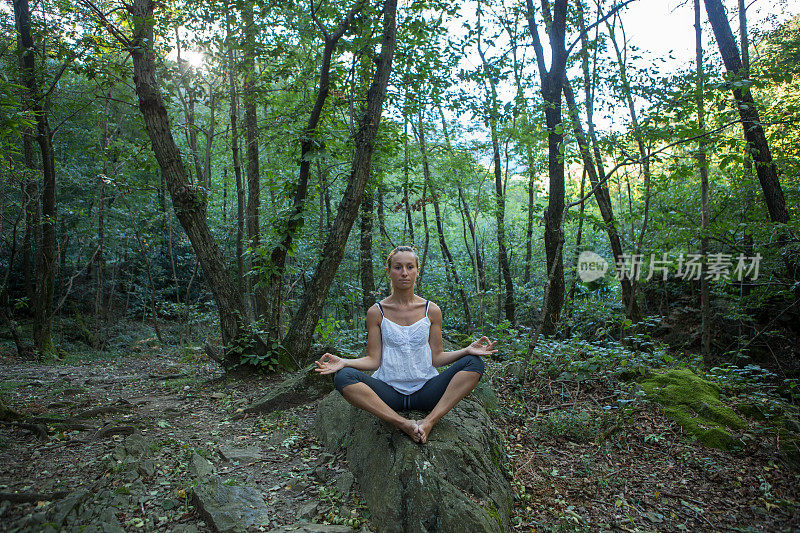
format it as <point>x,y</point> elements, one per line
<point>404,345</point>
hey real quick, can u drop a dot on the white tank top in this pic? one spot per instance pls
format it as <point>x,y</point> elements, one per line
<point>406,362</point>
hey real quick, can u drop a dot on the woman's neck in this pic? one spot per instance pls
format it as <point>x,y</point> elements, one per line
<point>403,297</point>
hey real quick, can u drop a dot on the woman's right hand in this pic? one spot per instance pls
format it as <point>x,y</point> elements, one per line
<point>329,363</point>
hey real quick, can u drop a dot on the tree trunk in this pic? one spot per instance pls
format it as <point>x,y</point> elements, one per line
<point>705,309</point>
<point>504,267</point>
<point>212,108</point>
<point>188,202</point>
<point>427,234</point>
<point>253,173</point>
<point>406,200</point>
<point>301,331</point>
<point>31,194</point>
<point>446,255</point>
<point>309,142</point>
<point>748,112</point>
<point>45,230</point>
<point>237,163</point>
<point>526,278</point>
<point>571,298</point>
<point>365,256</point>
<point>594,168</point>
<point>551,86</point>
<point>602,197</point>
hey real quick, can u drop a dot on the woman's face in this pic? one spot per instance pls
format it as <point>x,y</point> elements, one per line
<point>403,271</point>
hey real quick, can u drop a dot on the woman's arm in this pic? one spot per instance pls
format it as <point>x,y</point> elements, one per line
<point>329,363</point>
<point>480,347</point>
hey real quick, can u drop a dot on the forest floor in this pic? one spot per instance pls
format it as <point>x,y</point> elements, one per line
<point>580,458</point>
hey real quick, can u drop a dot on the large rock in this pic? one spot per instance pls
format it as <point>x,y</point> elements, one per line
<point>81,510</point>
<point>229,508</point>
<point>299,388</point>
<point>453,483</point>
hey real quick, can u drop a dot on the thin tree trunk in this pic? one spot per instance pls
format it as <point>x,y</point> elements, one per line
<point>386,240</point>
<point>551,87</point>
<point>188,202</point>
<point>31,195</point>
<point>571,298</point>
<point>505,269</point>
<point>476,259</point>
<point>594,168</point>
<point>406,201</point>
<point>526,278</point>
<point>45,232</point>
<point>188,107</point>
<point>427,234</point>
<point>365,255</point>
<point>638,135</point>
<point>212,108</point>
<point>298,339</point>
<point>449,263</point>
<point>705,309</point>
<point>237,162</point>
<point>100,263</point>
<point>748,112</point>
<point>602,197</point>
<point>253,173</point>
<point>307,145</point>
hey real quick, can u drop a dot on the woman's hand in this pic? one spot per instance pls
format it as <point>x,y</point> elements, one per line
<point>481,347</point>
<point>329,363</point>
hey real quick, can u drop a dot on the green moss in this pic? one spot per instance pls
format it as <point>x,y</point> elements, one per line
<point>485,395</point>
<point>789,448</point>
<point>491,510</point>
<point>693,402</point>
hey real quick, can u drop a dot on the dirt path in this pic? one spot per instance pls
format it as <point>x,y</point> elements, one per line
<point>181,407</point>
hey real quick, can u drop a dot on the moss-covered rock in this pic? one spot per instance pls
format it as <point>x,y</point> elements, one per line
<point>452,483</point>
<point>694,403</point>
<point>789,448</point>
<point>298,388</point>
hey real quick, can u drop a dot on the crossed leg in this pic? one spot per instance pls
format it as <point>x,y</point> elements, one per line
<point>376,397</point>
<point>439,395</point>
<point>363,397</point>
<point>463,383</point>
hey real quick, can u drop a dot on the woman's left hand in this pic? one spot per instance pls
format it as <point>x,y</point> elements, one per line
<point>481,347</point>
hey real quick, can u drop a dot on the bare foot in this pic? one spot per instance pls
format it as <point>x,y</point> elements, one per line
<point>410,428</point>
<point>424,427</point>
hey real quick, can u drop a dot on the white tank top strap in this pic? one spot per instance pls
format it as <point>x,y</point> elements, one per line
<point>380,307</point>
<point>427,303</point>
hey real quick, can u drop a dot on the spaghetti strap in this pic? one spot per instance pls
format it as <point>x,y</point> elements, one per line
<point>381,308</point>
<point>427,303</point>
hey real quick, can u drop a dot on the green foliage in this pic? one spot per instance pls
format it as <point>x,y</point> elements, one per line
<point>577,426</point>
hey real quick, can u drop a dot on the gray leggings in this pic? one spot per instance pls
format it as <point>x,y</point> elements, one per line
<point>424,399</point>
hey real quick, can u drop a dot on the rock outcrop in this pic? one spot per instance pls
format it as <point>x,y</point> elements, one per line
<point>453,483</point>
<point>298,388</point>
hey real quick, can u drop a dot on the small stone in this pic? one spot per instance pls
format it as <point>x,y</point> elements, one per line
<point>246,454</point>
<point>300,485</point>
<point>308,511</point>
<point>322,473</point>
<point>344,482</point>
<point>200,466</point>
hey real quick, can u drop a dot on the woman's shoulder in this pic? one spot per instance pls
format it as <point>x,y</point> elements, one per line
<point>374,313</point>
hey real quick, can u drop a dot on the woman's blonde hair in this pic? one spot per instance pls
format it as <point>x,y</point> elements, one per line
<point>401,249</point>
